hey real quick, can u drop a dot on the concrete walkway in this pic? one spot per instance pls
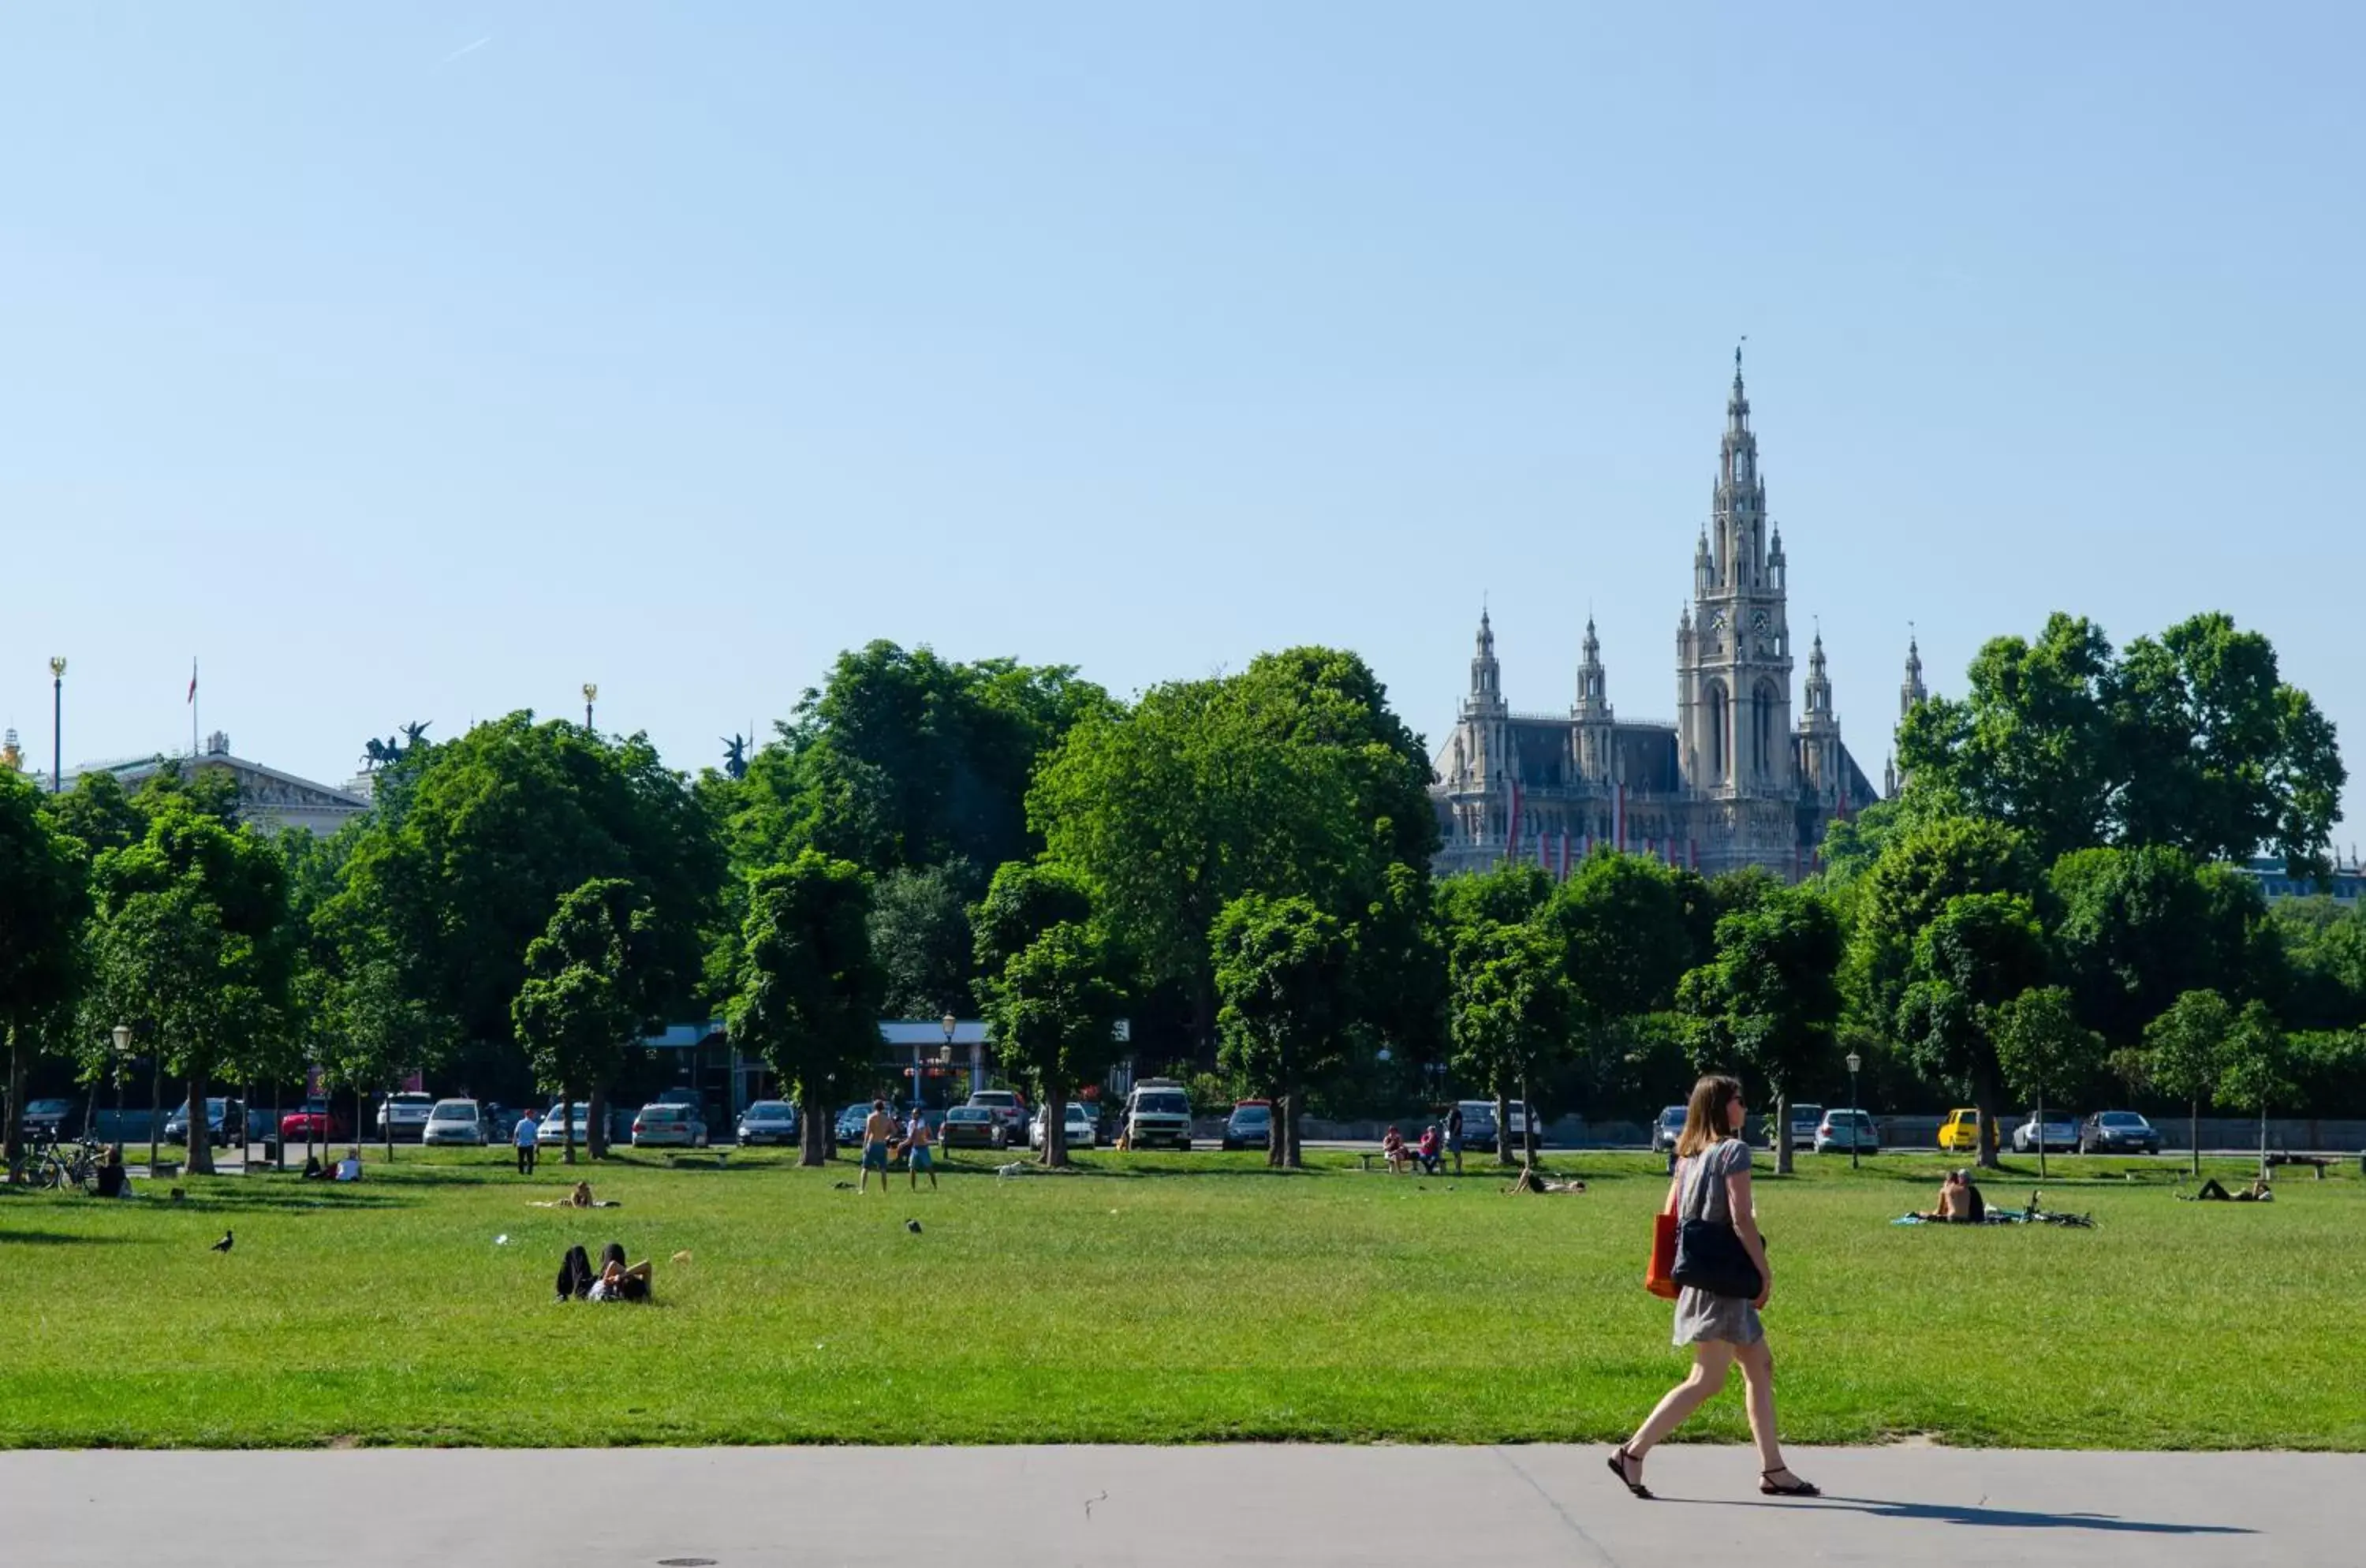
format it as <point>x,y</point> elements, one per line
<point>1107,1508</point>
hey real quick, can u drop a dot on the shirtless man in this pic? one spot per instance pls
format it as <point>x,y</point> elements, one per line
<point>878,1133</point>
<point>917,1154</point>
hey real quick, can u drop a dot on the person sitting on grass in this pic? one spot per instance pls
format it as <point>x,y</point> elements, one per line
<point>1959,1200</point>
<point>350,1168</point>
<point>113,1181</point>
<point>1428,1152</point>
<point>1393,1149</point>
<point>619,1282</point>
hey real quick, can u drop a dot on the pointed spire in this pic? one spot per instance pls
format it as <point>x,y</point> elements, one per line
<point>1486,675</point>
<point>1911,690</point>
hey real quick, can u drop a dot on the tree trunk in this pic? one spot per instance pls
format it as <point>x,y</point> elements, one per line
<point>386,1124</point>
<point>595,1121</point>
<point>2041,1131</point>
<point>1055,1125</point>
<point>1528,1124</point>
<point>201,1143</point>
<point>1984,1099</point>
<point>278,1124</point>
<point>14,1148</point>
<point>2263,1140</point>
<point>1503,1124</point>
<point>2193,1136</point>
<point>567,1120</point>
<point>1781,1133</point>
<point>814,1131</point>
<point>1297,1153</point>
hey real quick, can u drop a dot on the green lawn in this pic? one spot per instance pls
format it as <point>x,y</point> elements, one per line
<point>1158,1298</point>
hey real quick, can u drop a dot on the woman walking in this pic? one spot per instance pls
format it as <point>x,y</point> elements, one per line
<point>1712,1182</point>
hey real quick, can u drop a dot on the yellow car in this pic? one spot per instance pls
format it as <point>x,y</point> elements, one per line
<point>1960,1133</point>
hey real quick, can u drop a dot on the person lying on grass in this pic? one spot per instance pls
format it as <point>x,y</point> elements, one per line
<point>2211,1193</point>
<point>619,1282</point>
<point>578,1197</point>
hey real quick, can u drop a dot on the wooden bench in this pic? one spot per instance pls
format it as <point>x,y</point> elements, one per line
<point>2319,1161</point>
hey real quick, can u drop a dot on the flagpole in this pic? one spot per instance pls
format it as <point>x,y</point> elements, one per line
<point>193,715</point>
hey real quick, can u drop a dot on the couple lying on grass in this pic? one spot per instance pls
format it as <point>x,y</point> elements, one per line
<point>614,1280</point>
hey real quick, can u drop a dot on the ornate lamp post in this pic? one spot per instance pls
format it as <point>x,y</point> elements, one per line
<point>1857,1127</point>
<point>590,695</point>
<point>121,1038</point>
<point>57,721</point>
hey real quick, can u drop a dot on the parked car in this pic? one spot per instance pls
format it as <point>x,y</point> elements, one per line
<point>973,1127</point>
<point>454,1122</point>
<point>52,1119</point>
<point>316,1121</point>
<point>1250,1126</point>
<point>1009,1109</point>
<point>500,1121</point>
<point>848,1129</point>
<point>1846,1131</point>
<point>1478,1124</point>
<point>769,1122</point>
<point>1082,1133</point>
<point>2061,1133</point>
<point>1960,1133</point>
<point>2118,1133</point>
<point>669,1126</point>
<point>1804,1120</point>
<point>224,1120</point>
<point>556,1121</point>
<point>1158,1112</point>
<point>1668,1128</point>
<point>404,1115</point>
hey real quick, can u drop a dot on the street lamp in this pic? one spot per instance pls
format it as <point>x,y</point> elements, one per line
<point>948,1024</point>
<point>590,695</point>
<point>57,721</point>
<point>1857,1127</point>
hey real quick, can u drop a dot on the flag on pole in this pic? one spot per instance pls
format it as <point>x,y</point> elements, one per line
<point>193,680</point>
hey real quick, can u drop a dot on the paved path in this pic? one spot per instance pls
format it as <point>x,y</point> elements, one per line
<point>1110,1507</point>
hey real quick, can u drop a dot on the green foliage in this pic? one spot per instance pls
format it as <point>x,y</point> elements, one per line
<point>902,759</point>
<point>2043,1050</point>
<point>1283,972</point>
<point>1053,1015</point>
<point>1765,1003</point>
<point>1291,778</point>
<point>2323,949</point>
<point>920,935</point>
<point>1980,953</point>
<point>2138,926</point>
<point>591,980</point>
<point>97,814</point>
<point>2185,1053</point>
<point>1921,871</point>
<point>1024,901</point>
<point>2256,1063</point>
<point>807,991</point>
<point>2190,740</point>
<point>1506,894</point>
<point>44,897</point>
<point>1509,1010</point>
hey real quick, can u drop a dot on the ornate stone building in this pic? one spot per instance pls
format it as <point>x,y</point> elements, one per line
<point>267,798</point>
<point>1733,781</point>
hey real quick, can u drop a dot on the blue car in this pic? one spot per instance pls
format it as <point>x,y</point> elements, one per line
<point>849,1123</point>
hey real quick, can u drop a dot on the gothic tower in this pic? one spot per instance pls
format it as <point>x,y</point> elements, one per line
<point>1590,715</point>
<point>1733,661</point>
<point>1910,691</point>
<point>1819,730</point>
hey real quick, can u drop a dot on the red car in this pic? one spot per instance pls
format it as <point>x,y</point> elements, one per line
<point>315,1122</point>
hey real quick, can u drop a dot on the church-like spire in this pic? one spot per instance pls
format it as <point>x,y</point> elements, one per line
<point>1911,690</point>
<point>1819,685</point>
<point>1486,676</point>
<point>1740,500</point>
<point>1592,683</point>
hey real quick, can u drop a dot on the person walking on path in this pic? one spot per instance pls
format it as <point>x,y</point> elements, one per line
<point>917,1157</point>
<point>528,1138</point>
<point>878,1136</point>
<point>1712,1182</point>
<point>1454,1137</point>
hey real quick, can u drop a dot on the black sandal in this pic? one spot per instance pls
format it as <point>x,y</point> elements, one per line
<point>1617,1463</point>
<point>1797,1488</point>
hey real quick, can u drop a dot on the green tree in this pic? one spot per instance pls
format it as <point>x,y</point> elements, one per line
<point>1626,940</point>
<point>590,981</point>
<point>1053,1014</point>
<point>1918,874</point>
<point>1510,1013</point>
<point>807,991</point>
<point>2138,926</point>
<point>1506,894</point>
<point>919,932</point>
<point>2041,1044</point>
<point>2185,1054</point>
<point>44,899</point>
<point>1291,778</point>
<point>1284,983</point>
<point>192,945</point>
<point>1767,1000</point>
<point>2324,945</point>
<point>1980,952</point>
<point>379,1034</point>
<point>2255,1069</point>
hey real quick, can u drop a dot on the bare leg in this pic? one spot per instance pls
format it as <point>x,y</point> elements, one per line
<point>1758,1377</point>
<point>1711,1358</point>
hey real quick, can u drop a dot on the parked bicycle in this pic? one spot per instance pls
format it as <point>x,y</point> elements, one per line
<point>71,1164</point>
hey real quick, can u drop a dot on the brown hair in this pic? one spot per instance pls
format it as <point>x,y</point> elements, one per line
<point>1705,1114</point>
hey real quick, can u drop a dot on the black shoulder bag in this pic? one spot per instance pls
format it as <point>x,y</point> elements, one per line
<point>1709,1256</point>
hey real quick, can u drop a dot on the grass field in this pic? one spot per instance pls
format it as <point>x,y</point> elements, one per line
<point>1173,1298</point>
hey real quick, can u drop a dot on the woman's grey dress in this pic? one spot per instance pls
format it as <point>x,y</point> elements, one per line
<point>1700,1316</point>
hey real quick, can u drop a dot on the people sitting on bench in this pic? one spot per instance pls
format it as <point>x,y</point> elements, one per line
<point>1959,1200</point>
<point>1393,1149</point>
<point>1430,1150</point>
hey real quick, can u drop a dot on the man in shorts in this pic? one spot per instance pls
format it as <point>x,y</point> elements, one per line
<point>878,1133</point>
<point>916,1144</point>
<point>1453,1136</point>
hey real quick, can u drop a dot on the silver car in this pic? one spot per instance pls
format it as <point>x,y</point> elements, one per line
<point>669,1126</point>
<point>2061,1134</point>
<point>1668,1128</point>
<point>454,1122</point>
<point>769,1122</point>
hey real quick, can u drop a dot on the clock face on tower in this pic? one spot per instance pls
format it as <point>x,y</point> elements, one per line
<point>1759,620</point>
<point>1716,621</point>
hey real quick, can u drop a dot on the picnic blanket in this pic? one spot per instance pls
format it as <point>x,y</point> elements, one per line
<point>2005,1217</point>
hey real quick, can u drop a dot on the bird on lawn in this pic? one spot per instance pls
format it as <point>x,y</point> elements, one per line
<point>224,1244</point>
<point>912,1225</point>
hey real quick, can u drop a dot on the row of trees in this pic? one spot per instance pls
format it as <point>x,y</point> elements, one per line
<point>1236,869</point>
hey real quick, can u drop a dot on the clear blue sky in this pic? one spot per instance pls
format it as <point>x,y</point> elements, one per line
<point>429,362</point>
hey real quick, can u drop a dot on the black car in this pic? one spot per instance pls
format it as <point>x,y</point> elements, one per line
<point>225,1119</point>
<point>2118,1133</point>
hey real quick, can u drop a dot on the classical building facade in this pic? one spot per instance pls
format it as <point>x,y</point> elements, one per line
<point>1733,781</point>
<point>268,799</point>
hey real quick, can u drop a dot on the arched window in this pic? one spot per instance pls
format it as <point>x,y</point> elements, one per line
<point>1764,702</point>
<point>1718,734</point>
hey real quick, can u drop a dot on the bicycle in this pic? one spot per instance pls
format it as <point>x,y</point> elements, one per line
<point>69,1164</point>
